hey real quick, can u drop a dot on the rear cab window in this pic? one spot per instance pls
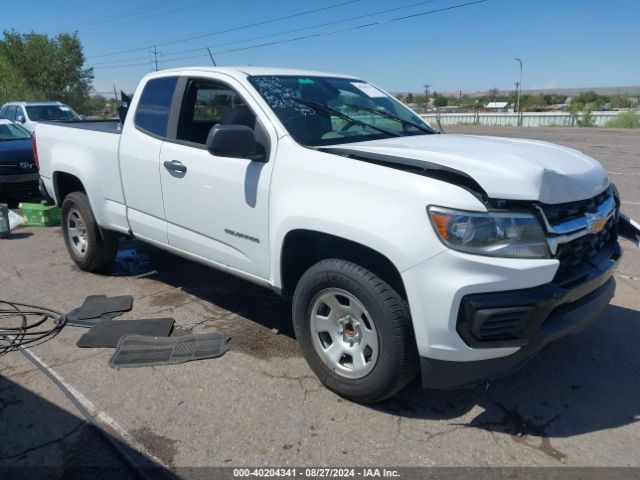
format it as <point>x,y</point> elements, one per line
<point>38,113</point>
<point>152,113</point>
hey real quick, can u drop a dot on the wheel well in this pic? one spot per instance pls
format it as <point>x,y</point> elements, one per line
<point>65,183</point>
<point>303,248</point>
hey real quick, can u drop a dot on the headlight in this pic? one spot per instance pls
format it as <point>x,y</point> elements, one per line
<point>515,235</point>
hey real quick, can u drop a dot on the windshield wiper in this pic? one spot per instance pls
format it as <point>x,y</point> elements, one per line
<point>384,113</point>
<point>337,113</point>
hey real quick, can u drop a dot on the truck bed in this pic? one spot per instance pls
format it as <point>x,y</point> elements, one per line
<point>88,151</point>
<point>106,126</point>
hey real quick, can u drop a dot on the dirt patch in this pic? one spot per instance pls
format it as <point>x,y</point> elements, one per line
<point>524,431</point>
<point>173,298</point>
<point>162,447</point>
<point>255,339</point>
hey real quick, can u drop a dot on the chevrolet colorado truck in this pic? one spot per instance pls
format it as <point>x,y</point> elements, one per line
<point>403,250</point>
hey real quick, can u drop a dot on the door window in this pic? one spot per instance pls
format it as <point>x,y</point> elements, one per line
<point>10,114</point>
<point>152,113</point>
<point>206,105</point>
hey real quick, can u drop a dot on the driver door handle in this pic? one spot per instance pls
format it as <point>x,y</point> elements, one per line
<point>175,166</point>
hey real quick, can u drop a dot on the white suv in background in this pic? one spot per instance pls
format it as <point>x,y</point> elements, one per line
<point>30,113</point>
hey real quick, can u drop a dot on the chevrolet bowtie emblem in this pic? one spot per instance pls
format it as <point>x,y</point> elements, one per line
<point>596,222</point>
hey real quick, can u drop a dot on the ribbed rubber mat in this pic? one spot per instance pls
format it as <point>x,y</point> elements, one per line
<point>145,351</point>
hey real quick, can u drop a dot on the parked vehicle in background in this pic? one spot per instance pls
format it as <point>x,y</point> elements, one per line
<point>18,168</point>
<point>403,249</point>
<point>28,114</point>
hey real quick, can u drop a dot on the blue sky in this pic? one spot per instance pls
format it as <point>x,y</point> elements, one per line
<point>563,43</point>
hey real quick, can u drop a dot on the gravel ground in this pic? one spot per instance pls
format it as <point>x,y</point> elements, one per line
<point>575,404</point>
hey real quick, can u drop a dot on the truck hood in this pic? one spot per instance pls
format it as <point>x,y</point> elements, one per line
<point>506,168</point>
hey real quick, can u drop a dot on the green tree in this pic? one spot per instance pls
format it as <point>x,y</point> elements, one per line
<point>11,86</point>
<point>620,101</point>
<point>439,100</point>
<point>410,98</point>
<point>555,99</point>
<point>532,102</point>
<point>49,68</point>
<point>588,100</point>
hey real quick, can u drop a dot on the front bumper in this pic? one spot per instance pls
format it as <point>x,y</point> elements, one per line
<point>536,316</point>
<point>19,184</point>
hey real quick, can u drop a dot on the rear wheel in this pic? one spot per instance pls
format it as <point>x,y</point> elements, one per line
<point>354,331</point>
<point>91,248</point>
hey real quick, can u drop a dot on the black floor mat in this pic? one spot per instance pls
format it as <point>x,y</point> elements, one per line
<point>145,351</point>
<point>107,334</point>
<point>74,321</point>
<point>97,305</point>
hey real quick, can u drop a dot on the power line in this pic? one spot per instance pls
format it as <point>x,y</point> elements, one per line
<point>128,20</point>
<point>318,34</point>
<point>271,35</point>
<point>124,13</point>
<point>220,32</point>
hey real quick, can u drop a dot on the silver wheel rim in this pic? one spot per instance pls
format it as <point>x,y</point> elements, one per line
<point>77,232</point>
<point>343,333</point>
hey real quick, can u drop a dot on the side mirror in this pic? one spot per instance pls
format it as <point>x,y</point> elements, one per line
<point>20,119</point>
<point>236,141</point>
<point>82,117</point>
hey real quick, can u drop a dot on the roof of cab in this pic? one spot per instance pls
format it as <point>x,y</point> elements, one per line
<point>44,102</point>
<point>251,71</point>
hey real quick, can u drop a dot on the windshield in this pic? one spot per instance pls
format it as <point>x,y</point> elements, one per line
<point>11,131</point>
<point>38,113</point>
<point>327,111</point>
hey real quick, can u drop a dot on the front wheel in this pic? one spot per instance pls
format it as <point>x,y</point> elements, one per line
<point>354,330</point>
<point>90,248</point>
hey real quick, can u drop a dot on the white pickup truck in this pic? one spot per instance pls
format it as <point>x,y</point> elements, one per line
<point>403,249</point>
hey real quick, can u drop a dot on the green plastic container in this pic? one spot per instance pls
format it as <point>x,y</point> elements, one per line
<point>38,215</point>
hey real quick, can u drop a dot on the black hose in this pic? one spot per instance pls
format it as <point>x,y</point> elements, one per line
<point>24,325</point>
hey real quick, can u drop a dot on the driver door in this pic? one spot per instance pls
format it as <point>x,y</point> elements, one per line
<point>216,207</point>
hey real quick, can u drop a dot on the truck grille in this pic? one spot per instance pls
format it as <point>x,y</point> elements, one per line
<point>568,211</point>
<point>577,252</point>
<point>585,248</point>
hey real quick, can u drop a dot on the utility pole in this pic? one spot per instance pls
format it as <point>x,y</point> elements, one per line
<point>211,57</point>
<point>154,60</point>
<point>519,84</point>
<point>426,95</point>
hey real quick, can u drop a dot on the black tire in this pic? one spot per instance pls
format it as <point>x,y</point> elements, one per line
<point>397,361</point>
<point>101,245</point>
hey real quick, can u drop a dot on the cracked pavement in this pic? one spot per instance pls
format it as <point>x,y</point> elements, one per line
<point>577,403</point>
